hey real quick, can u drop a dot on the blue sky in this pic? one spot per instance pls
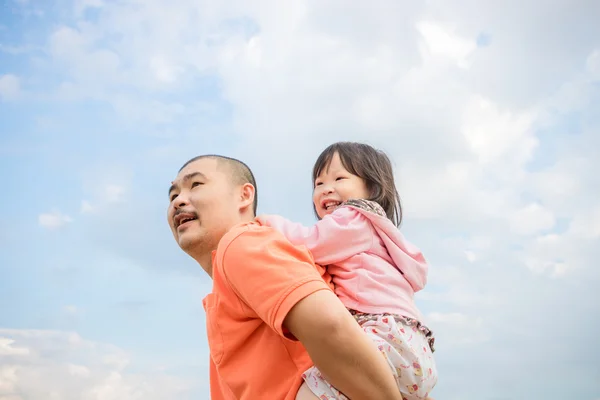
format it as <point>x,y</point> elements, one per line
<point>489,112</point>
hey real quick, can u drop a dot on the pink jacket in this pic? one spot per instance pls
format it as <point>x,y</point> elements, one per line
<point>374,269</point>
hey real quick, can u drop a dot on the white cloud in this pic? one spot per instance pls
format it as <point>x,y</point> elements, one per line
<point>496,148</point>
<point>560,184</point>
<point>10,87</point>
<point>82,5</point>
<point>493,134</point>
<point>547,253</point>
<point>442,42</point>
<point>78,371</point>
<point>593,65</point>
<point>53,220</point>
<point>457,329</point>
<point>86,207</point>
<point>8,377</point>
<point>164,71</point>
<point>587,225</point>
<point>7,348</point>
<point>62,365</point>
<point>71,310</point>
<point>470,255</point>
<point>530,219</point>
<point>114,193</point>
<point>104,185</point>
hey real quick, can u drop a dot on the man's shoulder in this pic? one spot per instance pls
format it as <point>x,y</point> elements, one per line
<point>247,235</point>
<point>248,250</point>
<point>248,242</point>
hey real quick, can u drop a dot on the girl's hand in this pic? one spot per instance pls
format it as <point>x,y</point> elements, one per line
<point>264,219</point>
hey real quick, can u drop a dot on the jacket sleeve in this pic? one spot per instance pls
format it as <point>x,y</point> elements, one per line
<point>336,237</point>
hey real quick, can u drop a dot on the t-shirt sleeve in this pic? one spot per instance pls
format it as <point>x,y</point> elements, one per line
<point>269,274</point>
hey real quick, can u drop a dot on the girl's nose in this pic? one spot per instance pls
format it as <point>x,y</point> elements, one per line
<point>328,189</point>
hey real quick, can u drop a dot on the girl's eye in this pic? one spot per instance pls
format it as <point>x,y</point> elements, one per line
<point>340,178</point>
<point>318,183</point>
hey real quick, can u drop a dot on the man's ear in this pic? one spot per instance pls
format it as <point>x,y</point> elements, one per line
<point>247,194</point>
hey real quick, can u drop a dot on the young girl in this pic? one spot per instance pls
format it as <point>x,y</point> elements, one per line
<point>375,271</point>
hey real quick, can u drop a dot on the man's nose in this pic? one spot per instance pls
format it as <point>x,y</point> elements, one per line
<point>182,200</point>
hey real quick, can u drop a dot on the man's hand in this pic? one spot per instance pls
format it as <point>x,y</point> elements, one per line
<point>340,349</point>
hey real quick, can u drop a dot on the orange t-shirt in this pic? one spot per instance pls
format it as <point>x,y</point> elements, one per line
<point>258,276</point>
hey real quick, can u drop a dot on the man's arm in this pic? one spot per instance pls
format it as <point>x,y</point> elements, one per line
<point>344,354</point>
<point>278,283</point>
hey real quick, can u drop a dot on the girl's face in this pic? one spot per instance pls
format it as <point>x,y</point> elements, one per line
<point>336,185</point>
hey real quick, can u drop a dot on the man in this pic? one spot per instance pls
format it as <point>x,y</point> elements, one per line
<point>272,312</point>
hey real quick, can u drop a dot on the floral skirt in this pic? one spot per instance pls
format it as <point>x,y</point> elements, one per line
<point>406,344</point>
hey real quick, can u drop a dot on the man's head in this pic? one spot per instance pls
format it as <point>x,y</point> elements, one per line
<point>208,197</point>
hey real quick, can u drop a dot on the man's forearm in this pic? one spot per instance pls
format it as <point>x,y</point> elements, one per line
<point>349,360</point>
<point>344,354</point>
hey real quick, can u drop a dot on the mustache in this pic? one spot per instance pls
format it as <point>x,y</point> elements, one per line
<point>178,212</point>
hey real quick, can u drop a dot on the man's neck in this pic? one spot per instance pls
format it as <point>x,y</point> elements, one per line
<point>205,262</point>
<point>205,259</point>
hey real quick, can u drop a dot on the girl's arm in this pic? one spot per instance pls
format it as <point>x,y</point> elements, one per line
<point>336,237</point>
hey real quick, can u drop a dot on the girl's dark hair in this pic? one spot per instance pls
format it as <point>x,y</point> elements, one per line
<point>370,164</point>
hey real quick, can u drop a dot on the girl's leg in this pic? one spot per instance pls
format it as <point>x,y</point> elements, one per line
<point>325,390</point>
<point>317,385</point>
<point>408,354</point>
<point>304,393</point>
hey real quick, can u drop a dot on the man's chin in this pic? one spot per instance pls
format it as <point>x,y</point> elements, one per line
<point>187,241</point>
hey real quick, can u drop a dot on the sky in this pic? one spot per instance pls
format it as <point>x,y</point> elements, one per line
<point>489,111</point>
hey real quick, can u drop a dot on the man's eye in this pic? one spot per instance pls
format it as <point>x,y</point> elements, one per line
<point>172,197</point>
<point>196,184</point>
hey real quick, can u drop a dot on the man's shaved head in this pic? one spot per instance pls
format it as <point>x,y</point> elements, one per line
<point>240,173</point>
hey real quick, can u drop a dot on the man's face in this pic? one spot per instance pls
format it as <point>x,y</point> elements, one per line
<point>202,206</point>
